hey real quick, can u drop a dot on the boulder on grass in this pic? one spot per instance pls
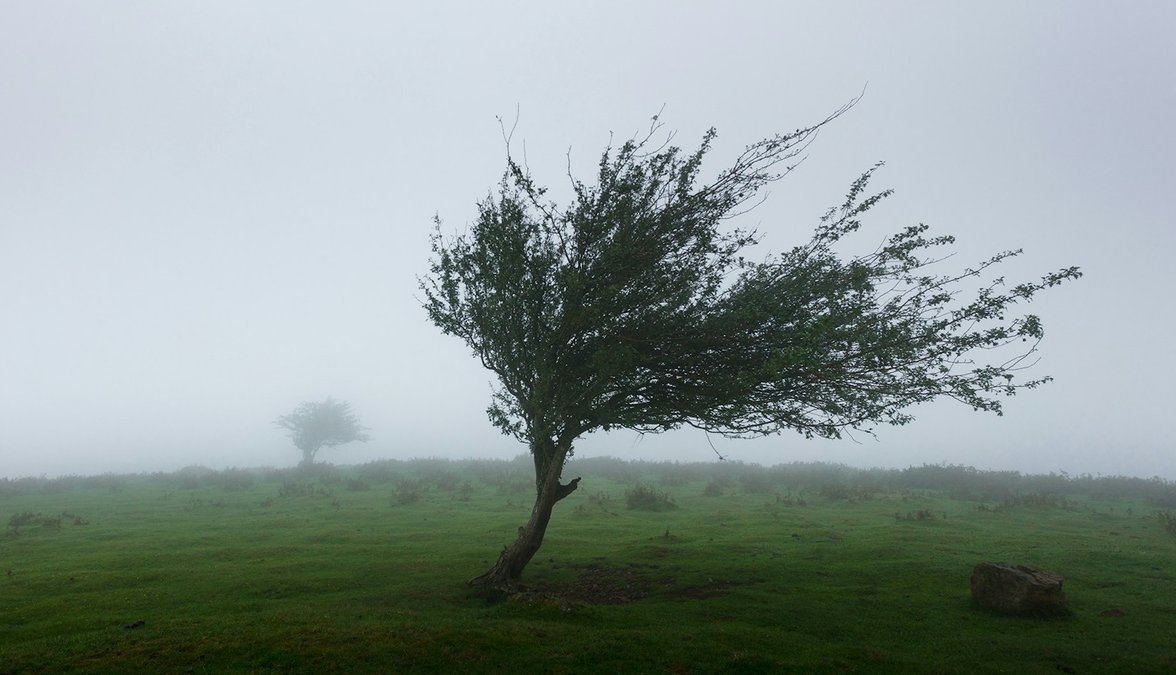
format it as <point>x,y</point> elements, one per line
<point>1017,589</point>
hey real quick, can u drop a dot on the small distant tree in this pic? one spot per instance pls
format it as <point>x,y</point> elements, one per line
<point>632,308</point>
<point>317,424</point>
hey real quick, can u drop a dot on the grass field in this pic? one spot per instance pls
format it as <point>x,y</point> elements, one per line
<point>728,568</point>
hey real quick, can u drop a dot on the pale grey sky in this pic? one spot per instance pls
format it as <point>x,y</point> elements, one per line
<point>212,211</point>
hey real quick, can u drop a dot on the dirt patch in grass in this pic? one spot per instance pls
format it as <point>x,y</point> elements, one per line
<point>602,584</point>
<point>595,583</point>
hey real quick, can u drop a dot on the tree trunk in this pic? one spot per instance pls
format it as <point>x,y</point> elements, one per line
<point>505,574</point>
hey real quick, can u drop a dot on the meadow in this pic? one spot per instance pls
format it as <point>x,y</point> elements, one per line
<point>647,568</point>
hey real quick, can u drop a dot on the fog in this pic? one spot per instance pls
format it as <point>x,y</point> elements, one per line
<point>210,212</point>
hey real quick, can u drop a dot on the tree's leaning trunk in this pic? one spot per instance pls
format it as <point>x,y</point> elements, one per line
<point>505,574</point>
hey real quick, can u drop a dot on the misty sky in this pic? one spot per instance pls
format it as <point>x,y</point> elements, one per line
<point>211,211</point>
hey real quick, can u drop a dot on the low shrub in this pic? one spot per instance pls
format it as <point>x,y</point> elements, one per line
<point>193,476</point>
<point>716,487</point>
<point>789,500</point>
<point>28,518</point>
<point>77,520</point>
<point>405,496</point>
<point>1168,519</point>
<point>648,498</point>
<point>600,498</point>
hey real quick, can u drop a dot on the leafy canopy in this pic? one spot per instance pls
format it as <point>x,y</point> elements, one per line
<point>633,307</point>
<point>317,424</point>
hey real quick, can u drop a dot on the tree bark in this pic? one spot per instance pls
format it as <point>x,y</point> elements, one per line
<point>506,573</point>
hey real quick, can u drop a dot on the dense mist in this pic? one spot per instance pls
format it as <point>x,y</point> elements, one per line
<point>210,213</point>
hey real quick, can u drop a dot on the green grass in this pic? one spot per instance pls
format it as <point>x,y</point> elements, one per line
<point>339,574</point>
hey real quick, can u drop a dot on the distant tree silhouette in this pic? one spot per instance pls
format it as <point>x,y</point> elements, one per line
<point>631,309</point>
<point>317,424</point>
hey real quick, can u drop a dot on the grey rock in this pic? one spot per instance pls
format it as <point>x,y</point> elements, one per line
<point>1017,589</point>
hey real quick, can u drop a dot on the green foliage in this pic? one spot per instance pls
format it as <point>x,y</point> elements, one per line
<point>317,424</point>
<point>632,307</point>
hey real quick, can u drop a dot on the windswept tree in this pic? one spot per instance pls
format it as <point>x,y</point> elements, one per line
<point>317,424</point>
<point>633,307</point>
